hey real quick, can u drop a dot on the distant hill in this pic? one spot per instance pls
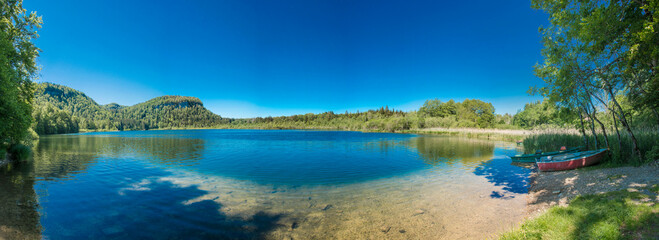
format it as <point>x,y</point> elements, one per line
<point>61,109</point>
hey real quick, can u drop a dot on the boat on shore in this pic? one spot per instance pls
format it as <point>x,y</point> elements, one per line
<point>531,158</point>
<point>569,161</point>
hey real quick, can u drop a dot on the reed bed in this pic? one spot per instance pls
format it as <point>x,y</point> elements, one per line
<point>621,152</point>
<point>480,131</point>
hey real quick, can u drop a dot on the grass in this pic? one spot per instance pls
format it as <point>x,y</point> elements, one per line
<point>620,154</point>
<point>613,215</point>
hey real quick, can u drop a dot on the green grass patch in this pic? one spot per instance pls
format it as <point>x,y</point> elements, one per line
<point>614,215</point>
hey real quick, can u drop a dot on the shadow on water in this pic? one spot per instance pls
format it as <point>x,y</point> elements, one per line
<point>500,171</point>
<point>19,218</point>
<point>144,213</point>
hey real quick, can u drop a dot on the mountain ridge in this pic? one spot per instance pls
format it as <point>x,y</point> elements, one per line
<point>62,109</point>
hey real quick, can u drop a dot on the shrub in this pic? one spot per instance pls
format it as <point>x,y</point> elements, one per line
<point>3,153</point>
<point>19,152</point>
<point>653,154</point>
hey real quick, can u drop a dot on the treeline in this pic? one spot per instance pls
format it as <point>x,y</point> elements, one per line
<point>434,113</point>
<point>60,109</point>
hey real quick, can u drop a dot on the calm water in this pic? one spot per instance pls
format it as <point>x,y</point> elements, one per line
<point>209,184</point>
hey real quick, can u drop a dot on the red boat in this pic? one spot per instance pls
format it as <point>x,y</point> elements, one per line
<point>569,161</point>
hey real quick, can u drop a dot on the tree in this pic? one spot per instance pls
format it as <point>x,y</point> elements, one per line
<point>17,69</point>
<point>596,50</point>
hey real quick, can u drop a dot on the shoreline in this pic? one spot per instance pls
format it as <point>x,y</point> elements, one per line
<point>548,189</point>
<point>485,133</point>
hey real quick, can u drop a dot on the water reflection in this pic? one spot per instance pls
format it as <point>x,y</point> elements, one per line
<point>440,149</point>
<point>114,184</point>
<point>60,156</point>
<point>19,218</point>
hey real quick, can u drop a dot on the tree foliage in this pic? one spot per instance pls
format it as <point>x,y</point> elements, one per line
<point>468,113</point>
<point>596,51</point>
<point>544,114</point>
<point>17,69</point>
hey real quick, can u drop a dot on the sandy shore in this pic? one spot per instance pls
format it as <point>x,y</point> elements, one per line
<point>558,188</point>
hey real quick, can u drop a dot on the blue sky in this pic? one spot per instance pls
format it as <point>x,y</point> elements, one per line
<point>270,58</point>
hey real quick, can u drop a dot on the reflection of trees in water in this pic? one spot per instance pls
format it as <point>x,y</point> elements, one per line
<point>169,151</point>
<point>19,218</point>
<point>437,149</point>
<point>56,157</point>
<point>59,156</point>
<point>386,145</point>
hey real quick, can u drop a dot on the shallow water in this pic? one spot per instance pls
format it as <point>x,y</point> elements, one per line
<point>200,184</point>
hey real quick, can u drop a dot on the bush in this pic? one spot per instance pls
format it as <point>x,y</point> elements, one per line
<point>653,154</point>
<point>19,152</point>
<point>3,153</point>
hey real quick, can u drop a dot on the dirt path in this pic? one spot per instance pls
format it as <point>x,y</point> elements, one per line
<point>558,188</point>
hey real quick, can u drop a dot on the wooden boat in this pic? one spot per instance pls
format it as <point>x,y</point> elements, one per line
<point>530,158</point>
<point>570,160</point>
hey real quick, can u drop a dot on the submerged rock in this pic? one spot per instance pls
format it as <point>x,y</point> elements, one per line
<point>418,212</point>
<point>385,229</point>
<point>327,207</point>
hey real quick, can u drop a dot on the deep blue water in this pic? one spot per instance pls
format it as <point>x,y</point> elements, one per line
<point>104,185</point>
<point>276,156</point>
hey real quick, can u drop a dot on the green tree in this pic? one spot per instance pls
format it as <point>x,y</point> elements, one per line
<point>17,69</point>
<point>595,50</point>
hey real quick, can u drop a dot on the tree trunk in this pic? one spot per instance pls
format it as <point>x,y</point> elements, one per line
<point>623,120</point>
<point>615,124</point>
<point>583,129</point>
<point>656,115</point>
<point>606,137</point>
<point>592,128</point>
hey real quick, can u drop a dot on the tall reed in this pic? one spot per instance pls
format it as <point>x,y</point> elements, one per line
<point>648,143</point>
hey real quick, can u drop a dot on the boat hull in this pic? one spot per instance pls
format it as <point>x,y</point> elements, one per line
<point>531,158</point>
<point>572,163</point>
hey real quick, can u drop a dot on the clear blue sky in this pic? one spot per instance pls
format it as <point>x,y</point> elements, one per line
<point>247,58</point>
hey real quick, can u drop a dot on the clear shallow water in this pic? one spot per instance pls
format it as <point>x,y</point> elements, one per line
<point>200,184</point>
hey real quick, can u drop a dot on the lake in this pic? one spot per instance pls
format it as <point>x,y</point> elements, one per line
<point>262,184</point>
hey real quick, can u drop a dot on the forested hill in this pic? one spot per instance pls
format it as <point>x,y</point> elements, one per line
<point>60,109</point>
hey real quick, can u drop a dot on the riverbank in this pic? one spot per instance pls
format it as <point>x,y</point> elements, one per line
<point>593,203</point>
